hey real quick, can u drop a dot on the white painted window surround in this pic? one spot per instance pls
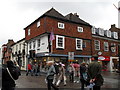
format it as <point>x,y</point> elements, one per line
<point>79,44</point>
<point>80,29</point>
<point>60,42</point>
<point>61,25</point>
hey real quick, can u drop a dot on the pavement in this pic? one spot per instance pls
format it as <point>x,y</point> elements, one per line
<point>111,82</point>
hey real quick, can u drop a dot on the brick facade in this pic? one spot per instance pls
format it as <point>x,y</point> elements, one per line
<point>48,24</point>
<point>104,53</point>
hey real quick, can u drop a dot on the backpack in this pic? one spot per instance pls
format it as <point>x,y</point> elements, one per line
<point>15,72</point>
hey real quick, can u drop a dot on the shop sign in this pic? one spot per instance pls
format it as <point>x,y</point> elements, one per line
<point>104,58</point>
<point>71,55</point>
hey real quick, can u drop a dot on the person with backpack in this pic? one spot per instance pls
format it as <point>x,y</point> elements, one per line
<point>9,74</point>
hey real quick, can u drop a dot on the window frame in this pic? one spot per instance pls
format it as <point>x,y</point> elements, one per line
<point>38,24</point>
<point>34,44</point>
<point>113,47</point>
<point>106,43</point>
<point>101,32</point>
<point>97,45</point>
<point>57,42</point>
<point>30,45</point>
<point>109,33</point>
<point>63,25</point>
<point>81,44</point>
<point>93,30</point>
<point>38,42</point>
<point>80,29</point>
<point>29,31</point>
<point>115,35</point>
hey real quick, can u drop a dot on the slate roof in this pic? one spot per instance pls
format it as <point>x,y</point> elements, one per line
<point>55,14</point>
<point>75,18</point>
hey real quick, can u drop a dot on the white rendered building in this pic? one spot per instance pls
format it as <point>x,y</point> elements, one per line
<point>19,53</point>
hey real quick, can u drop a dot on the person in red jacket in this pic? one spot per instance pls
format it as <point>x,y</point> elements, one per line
<point>29,69</point>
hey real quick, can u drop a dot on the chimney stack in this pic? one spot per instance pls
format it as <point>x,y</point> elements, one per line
<point>76,14</point>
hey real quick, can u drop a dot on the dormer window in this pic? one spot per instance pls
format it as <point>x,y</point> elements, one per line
<point>108,32</point>
<point>61,25</point>
<point>101,32</point>
<point>80,29</point>
<point>93,30</point>
<point>28,31</point>
<point>115,35</point>
<point>38,24</point>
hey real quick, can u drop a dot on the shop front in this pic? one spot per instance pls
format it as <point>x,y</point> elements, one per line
<point>105,62</point>
<point>109,63</point>
<point>44,57</point>
<point>114,63</point>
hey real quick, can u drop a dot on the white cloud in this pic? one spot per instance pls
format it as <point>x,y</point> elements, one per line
<point>17,14</point>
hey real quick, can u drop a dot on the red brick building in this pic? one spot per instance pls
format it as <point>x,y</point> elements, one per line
<point>105,47</point>
<point>6,51</point>
<point>71,34</point>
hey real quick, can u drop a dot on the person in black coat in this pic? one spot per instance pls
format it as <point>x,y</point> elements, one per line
<point>7,81</point>
<point>94,75</point>
<point>83,70</point>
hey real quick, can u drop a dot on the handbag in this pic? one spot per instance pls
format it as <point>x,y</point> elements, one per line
<point>10,74</point>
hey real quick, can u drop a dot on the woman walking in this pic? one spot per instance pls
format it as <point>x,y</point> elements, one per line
<point>62,75</point>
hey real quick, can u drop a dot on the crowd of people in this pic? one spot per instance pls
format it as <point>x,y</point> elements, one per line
<point>89,75</point>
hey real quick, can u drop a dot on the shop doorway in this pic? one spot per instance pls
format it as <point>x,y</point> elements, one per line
<point>115,64</point>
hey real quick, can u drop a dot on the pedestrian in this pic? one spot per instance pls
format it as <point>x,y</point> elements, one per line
<point>38,69</point>
<point>50,75</point>
<point>83,75</point>
<point>56,65</point>
<point>76,75</point>
<point>71,71</point>
<point>9,75</point>
<point>94,75</point>
<point>29,69</point>
<point>62,76</point>
<point>35,68</point>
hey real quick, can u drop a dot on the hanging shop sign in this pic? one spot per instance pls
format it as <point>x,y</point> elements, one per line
<point>103,58</point>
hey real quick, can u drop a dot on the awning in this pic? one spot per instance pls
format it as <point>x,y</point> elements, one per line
<point>103,58</point>
<point>58,55</point>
